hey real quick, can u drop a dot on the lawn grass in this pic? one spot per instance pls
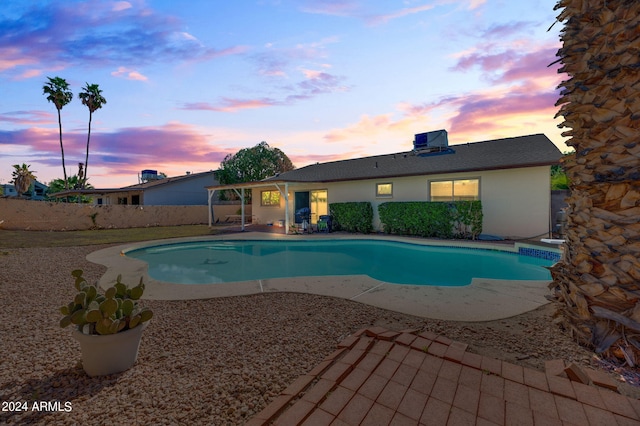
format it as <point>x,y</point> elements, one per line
<point>27,239</point>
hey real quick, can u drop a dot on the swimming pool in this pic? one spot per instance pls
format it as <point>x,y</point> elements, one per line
<point>209,262</point>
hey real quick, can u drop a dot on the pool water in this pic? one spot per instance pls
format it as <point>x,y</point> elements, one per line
<point>392,262</point>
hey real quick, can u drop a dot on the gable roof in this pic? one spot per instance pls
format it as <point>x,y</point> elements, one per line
<point>137,188</point>
<point>167,181</point>
<point>522,151</point>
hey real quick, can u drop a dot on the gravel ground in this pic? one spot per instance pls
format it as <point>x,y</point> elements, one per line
<point>216,361</point>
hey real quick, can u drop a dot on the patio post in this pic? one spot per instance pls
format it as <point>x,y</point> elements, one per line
<point>210,197</point>
<point>286,208</point>
<point>242,208</point>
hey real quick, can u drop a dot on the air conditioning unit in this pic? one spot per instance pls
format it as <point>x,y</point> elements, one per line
<point>148,175</point>
<point>436,140</point>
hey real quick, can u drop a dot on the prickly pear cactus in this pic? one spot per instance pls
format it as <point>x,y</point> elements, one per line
<point>110,312</point>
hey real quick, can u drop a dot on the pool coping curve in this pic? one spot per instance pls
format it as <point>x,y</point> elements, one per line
<point>482,300</point>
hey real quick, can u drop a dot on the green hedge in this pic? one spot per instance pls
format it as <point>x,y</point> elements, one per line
<point>458,219</point>
<point>352,217</point>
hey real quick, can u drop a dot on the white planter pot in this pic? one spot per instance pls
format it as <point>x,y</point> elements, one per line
<point>111,353</point>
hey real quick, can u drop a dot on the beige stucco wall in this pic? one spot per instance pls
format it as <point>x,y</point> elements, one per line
<point>46,216</point>
<point>516,202</point>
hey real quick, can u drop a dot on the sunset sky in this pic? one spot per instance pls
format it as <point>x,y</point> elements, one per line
<point>187,83</point>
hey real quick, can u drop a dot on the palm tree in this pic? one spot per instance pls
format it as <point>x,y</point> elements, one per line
<point>91,96</point>
<point>22,178</point>
<point>597,283</point>
<point>57,91</point>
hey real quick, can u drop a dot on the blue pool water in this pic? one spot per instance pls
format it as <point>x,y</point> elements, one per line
<point>393,262</point>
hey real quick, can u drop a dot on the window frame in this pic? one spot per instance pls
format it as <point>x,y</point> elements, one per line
<point>271,203</point>
<point>453,180</point>
<point>384,195</point>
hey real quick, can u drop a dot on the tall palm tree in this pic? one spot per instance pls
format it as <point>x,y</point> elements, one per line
<point>22,178</point>
<point>597,283</point>
<point>57,91</point>
<point>91,96</point>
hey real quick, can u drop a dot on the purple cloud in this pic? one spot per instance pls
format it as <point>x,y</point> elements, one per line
<point>356,9</point>
<point>486,112</point>
<point>317,83</point>
<point>27,117</point>
<point>230,105</point>
<point>126,148</point>
<point>59,34</point>
<point>509,64</point>
<point>500,32</point>
<point>331,7</point>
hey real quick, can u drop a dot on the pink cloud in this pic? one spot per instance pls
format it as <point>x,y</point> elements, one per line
<point>383,19</point>
<point>28,117</point>
<point>488,112</point>
<point>11,57</point>
<point>508,65</point>
<point>501,112</point>
<point>331,7</point>
<point>121,5</point>
<point>355,9</point>
<point>316,83</point>
<point>125,149</point>
<point>230,105</point>
<point>276,61</point>
<point>365,126</point>
<point>128,74</point>
<point>501,32</point>
<point>486,62</point>
<point>475,4</point>
<point>306,159</point>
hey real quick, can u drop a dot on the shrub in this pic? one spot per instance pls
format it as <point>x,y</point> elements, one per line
<point>352,217</point>
<point>458,219</point>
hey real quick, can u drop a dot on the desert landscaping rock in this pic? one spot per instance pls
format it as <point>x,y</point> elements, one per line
<point>216,361</point>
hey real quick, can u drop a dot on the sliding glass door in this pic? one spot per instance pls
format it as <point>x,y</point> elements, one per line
<point>319,205</point>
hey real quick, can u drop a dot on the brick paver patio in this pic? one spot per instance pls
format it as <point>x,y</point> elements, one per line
<point>381,377</point>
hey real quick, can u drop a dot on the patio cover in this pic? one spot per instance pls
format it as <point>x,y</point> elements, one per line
<point>239,188</point>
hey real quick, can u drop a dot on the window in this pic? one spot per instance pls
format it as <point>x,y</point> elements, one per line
<point>455,190</point>
<point>384,190</point>
<point>270,198</point>
<point>122,200</point>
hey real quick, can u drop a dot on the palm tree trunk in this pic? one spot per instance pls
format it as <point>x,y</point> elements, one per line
<point>86,158</point>
<point>64,169</point>
<point>597,283</point>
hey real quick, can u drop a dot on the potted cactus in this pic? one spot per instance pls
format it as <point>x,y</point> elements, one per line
<point>109,324</point>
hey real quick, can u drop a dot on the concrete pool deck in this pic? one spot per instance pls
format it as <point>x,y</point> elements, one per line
<point>482,300</point>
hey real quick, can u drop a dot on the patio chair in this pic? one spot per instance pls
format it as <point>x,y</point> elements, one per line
<point>324,223</point>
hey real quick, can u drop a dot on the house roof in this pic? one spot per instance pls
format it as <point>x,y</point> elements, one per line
<point>137,188</point>
<point>165,181</point>
<point>516,152</point>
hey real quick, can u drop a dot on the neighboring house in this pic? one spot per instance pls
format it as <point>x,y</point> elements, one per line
<point>37,191</point>
<point>184,190</point>
<point>510,176</point>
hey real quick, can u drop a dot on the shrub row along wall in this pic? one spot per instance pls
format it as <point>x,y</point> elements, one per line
<point>458,219</point>
<point>46,216</point>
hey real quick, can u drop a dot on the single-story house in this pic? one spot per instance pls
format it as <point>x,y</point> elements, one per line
<point>511,177</point>
<point>186,190</point>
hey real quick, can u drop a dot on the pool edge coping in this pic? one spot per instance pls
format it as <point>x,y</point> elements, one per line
<point>482,300</point>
